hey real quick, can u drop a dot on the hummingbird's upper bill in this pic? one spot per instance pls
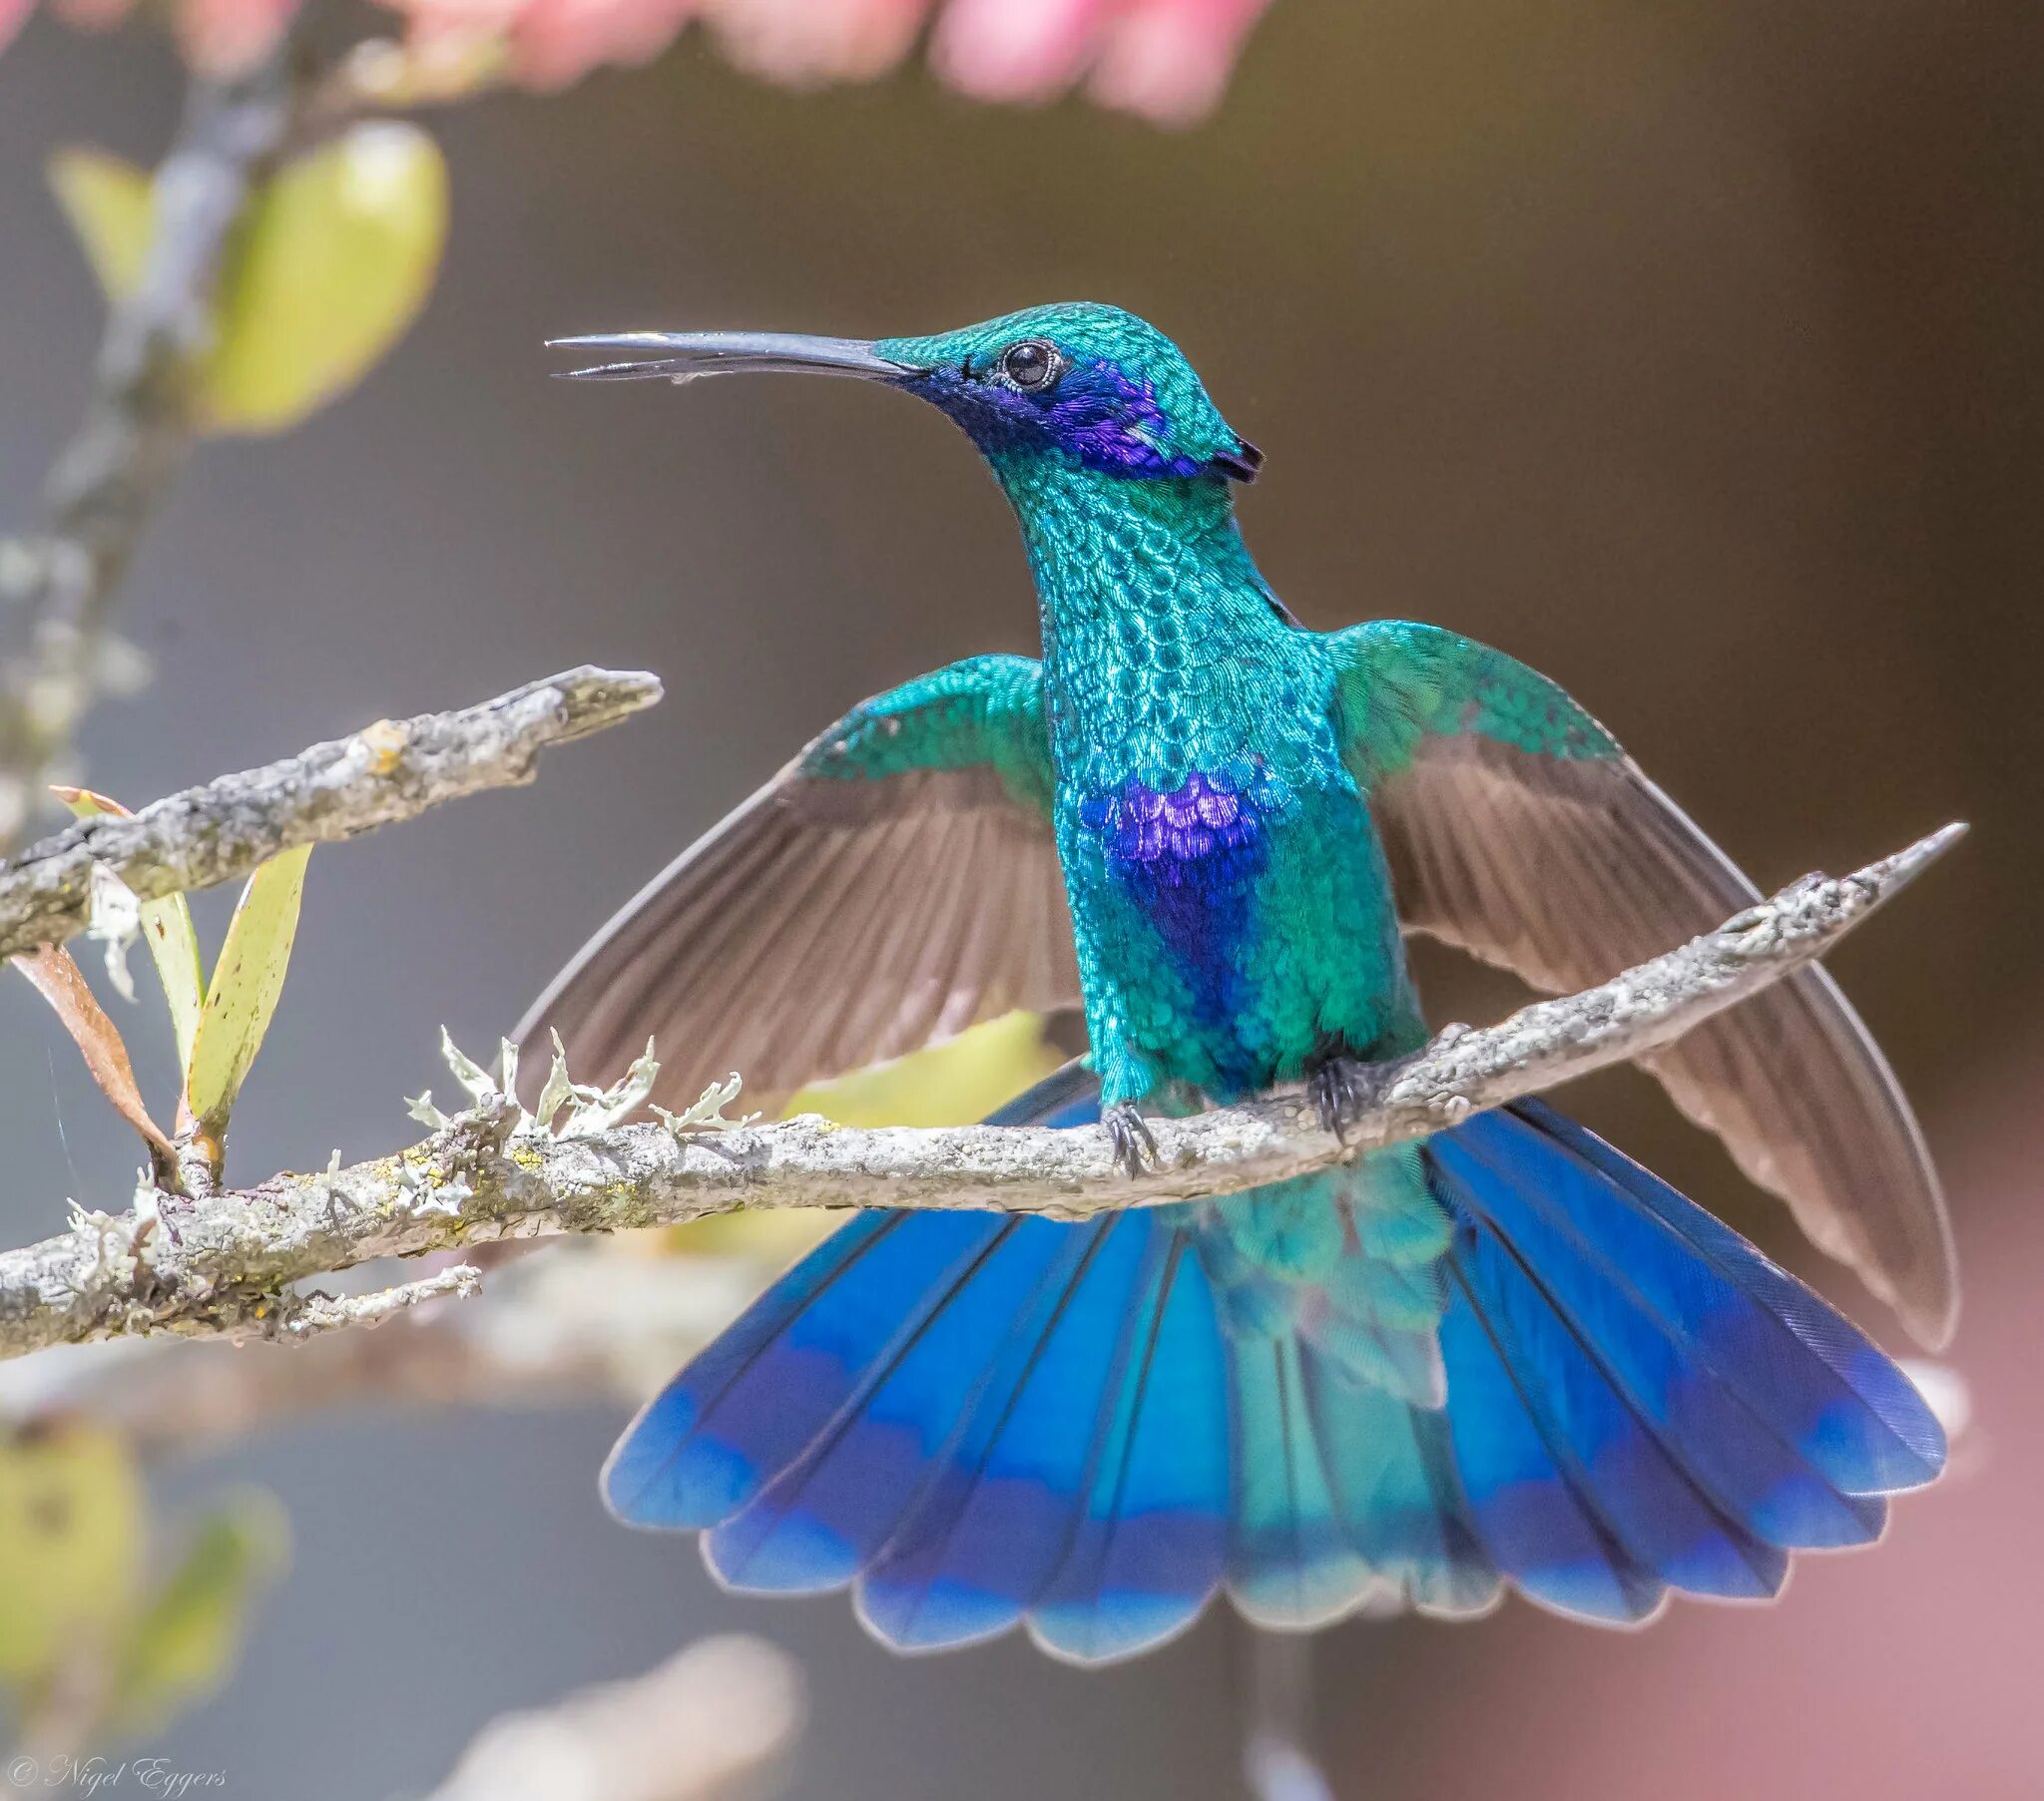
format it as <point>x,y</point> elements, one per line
<point>684,355</point>
<point>1084,389</point>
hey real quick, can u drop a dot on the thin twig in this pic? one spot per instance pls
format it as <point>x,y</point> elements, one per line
<point>392,771</point>
<point>587,1322</point>
<point>301,1317</point>
<point>489,1175</point>
<point>59,585</point>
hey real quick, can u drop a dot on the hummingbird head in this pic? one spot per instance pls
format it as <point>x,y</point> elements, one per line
<point>1084,384</point>
<point>1079,385</point>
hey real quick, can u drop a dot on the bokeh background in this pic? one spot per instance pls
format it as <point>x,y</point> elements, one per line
<point>1689,351</point>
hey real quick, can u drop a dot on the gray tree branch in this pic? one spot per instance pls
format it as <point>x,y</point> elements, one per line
<point>388,771</point>
<point>223,1263</point>
<point>58,584</point>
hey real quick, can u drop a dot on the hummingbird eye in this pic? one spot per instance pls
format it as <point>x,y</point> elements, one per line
<point>1032,365</point>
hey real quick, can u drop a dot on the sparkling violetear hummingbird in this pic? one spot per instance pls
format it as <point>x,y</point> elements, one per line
<point>1505,1356</point>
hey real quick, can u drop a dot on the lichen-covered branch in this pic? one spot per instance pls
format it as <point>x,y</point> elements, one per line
<point>581,1323</point>
<point>219,1264</point>
<point>303,1317</point>
<point>388,771</point>
<point>58,584</point>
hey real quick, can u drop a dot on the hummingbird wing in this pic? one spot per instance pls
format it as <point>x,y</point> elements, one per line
<point>1520,832</point>
<point>895,884</point>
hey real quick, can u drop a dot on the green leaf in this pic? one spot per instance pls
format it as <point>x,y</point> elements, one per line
<point>335,259</point>
<point>111,205</point>
<point>331,261</point>
<point>247,982</point>
<point>70,1544</point>
<point>166,928</point>
<point>185,1641</point>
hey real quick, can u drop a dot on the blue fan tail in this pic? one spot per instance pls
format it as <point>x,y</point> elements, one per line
<point>979,1421</point>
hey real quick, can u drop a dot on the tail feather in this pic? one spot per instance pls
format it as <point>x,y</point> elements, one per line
<point>1739,1426</point>
<point>1823,1384</point>
<point>1575,1494</point>
<point>1147,1553</point>
<point>1391,1472</point>
<point>1290,1562</point>
<point>740,1412</point>
<point>1528,1499</point>
<point>820,1522</point>
<point>989,1531</point>
<point>982,1421</point>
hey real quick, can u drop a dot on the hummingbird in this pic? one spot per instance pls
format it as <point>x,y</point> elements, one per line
<point>1506,1357</point>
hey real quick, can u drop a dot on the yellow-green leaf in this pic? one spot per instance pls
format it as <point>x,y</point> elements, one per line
<point>166,928</point>
<point>111,205</point>
<point>952,1084</point>
<point>70,1544</point>
<point>330,264</point>
<point>333,260</point>
<point>184,1643</point>
<point>247,982</point>
<point>956,1082</point>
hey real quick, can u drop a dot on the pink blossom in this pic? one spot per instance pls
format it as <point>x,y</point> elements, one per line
<point>801,44</point>
<point>225,37</point>
<point>1170,59</point>
<point>999,50</point>
<point>554,43</point>
<point>1166,60</point>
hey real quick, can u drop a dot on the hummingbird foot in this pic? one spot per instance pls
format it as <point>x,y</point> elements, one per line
<point>1134,1149</point>
<point>1340,1089</point>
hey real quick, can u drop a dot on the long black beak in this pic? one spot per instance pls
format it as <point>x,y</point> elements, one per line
<point>684,355</point>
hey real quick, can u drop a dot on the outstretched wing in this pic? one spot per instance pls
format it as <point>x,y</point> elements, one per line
<point>895,884</point>
<point>1520,832</point>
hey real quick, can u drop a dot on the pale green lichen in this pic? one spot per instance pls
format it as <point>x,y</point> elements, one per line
<point>115,922</point>
<point>706,1112</point>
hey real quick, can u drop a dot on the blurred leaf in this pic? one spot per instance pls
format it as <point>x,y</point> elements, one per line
<point>167,927</point>
<point>56,977</point>
<point>184,1643</point>
<point>331,263</point>
<point>957,1083</point>
<point>70,1544</point>
<point>111,205</point>
<point>954,1084</point>
<point>247,982</point>
<point>334,259</point>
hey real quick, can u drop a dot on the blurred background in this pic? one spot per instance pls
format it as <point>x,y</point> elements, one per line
<point>1689,351</point>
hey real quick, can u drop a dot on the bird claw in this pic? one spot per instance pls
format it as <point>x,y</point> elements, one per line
<point>1134,1149</point>
<point>1340,1091</point>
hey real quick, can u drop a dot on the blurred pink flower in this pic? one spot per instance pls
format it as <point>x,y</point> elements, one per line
<point>1170,59</point>
<point>223,37</point>
<point>215,36</point>
<point>998,49</point>
<point>801,44</point>
<point>1166,60</point>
